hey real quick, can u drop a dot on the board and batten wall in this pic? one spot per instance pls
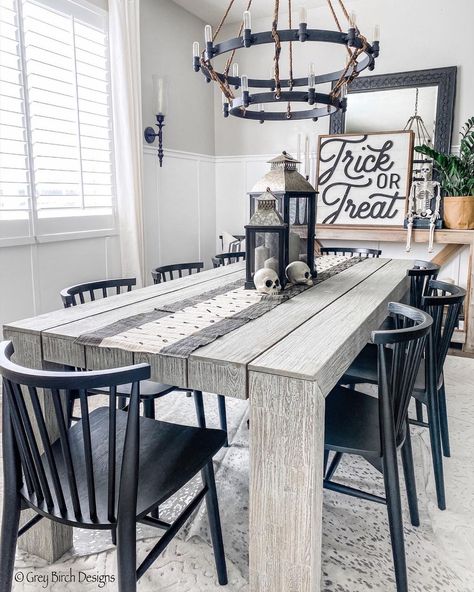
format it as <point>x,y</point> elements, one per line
<point>32,275</point>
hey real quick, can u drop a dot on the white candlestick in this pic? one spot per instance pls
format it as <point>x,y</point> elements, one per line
<point>294,247</point>
<point>208,33</point>
<point>303,15</point>
<point>298,150</point>
<point>262,253</point>
<point>196,49</point>
<point>272,263</point>
<point>377,33</point>
<point>306,156</point>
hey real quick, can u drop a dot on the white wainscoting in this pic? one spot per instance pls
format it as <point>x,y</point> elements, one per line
<point>179,208</point>
<point>32,275</point>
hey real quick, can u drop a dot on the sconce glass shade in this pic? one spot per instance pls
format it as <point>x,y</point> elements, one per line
<point>160,95</point>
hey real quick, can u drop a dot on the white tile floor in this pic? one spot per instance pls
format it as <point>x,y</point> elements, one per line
<point>356,550</point>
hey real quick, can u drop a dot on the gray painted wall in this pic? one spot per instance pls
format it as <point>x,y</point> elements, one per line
<point>167,34</point>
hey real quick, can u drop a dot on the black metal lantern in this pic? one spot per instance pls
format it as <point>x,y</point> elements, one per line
<point>266,240</point>
<point>296,201</point>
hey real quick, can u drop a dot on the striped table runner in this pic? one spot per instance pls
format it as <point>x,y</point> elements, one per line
<point>179,328</point>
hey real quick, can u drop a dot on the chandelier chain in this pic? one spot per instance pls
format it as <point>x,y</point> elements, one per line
<point>276,59</point>
<point>290,26</point>
<point>338,24</point>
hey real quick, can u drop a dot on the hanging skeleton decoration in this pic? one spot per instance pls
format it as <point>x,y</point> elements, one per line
<point>424,205</point>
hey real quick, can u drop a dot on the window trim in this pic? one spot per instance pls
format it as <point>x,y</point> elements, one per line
<point>76,9</point>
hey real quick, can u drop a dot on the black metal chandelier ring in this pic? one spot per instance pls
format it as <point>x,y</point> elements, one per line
<point>361,56</point>
<point>288,35</point>
<point>332,104</point>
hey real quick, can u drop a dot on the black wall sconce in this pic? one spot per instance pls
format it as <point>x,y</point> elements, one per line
<point>159,93</point>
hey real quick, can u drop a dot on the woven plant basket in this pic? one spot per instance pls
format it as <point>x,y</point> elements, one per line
<point>459,212</point>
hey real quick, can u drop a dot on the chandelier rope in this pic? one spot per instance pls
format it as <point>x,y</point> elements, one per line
<point>277,88</point>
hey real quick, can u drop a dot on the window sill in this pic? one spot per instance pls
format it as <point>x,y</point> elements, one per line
<point>57,237</point>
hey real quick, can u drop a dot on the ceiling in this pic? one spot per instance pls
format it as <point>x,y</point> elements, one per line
<point>211,11</point>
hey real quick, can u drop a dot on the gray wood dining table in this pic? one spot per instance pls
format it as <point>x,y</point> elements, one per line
<point>285,362</point>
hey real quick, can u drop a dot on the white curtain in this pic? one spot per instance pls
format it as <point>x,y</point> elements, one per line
<point>124,35</point>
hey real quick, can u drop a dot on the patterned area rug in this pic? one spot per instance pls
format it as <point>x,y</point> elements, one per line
<point>356,549</point>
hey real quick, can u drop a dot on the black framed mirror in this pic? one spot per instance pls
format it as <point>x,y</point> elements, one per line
<point>385,103</point>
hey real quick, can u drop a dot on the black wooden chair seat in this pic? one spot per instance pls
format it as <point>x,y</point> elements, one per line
<point>364,370</point>
<point>148,388</point>
<point>170,455</point>
<point>352,423</point>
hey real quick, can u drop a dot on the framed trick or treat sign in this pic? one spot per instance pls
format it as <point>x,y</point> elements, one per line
<point>364,179</point>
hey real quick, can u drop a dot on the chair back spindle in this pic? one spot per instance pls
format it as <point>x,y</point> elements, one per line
<point>351,251</point>
<point>443,302</point>
<point>227,258</point>
<point>420,275</point>
<point>90,290</point>
<point>396,380</point>
<point>57,470</point>
<point>174,270</point>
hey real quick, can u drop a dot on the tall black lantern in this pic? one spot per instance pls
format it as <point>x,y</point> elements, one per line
<point>266,236</point>
<point>296,201</point>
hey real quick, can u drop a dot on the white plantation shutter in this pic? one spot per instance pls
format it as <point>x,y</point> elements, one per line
<point>58,104</point>
<point>14,174</point>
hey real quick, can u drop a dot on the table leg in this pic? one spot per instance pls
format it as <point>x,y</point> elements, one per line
<point>47,539</point>
<point>286,470</point>
<point>469,304</point>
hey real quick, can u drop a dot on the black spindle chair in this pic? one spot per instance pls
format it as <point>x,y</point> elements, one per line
<point>420,275</point>
<point>351,251</point>
<point>227,258</point>
<point>376,428</point>
<point>443,302</point>
<point>108,471</point>
<point>174,270</point>
<point>150,390</point>
<point>90,290</point>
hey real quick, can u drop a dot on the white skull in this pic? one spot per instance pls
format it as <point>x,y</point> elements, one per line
<point>298,272</point>
<point>266,281</point>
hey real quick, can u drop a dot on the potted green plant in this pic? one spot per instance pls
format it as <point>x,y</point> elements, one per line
<point>456,175</point>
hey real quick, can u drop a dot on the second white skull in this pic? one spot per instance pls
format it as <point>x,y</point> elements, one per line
<point>298,272</point>
<point>266,281</point>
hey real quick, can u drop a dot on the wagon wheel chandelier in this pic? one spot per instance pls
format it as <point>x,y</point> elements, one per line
<point>249,104</point>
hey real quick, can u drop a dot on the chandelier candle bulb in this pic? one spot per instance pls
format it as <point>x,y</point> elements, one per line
<point>303,26</point>
<point>245,90</point>
<point>247,29</point>
<point>311,85</point>
<point>377,33</point>
<point>225,105</point>
<point>209,43</point>
<point>196,64</point>
<point>235,73</point>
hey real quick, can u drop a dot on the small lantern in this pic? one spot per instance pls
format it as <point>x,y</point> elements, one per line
<point>266,240</point>
<point>296,201</point>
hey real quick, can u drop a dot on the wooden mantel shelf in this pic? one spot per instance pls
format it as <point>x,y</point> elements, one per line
<point>399,235</point>
<point>392,234</point>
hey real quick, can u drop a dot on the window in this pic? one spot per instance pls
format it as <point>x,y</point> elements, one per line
<point>56,145</point>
